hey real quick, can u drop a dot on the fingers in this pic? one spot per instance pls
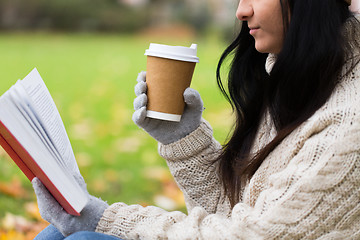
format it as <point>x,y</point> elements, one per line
<point>40,190</point>
<point>45,199</point>
<point>38,186</point>
<point>140,88</point>
<point>140,101</point>
<point>141,77</point>
<point>139,116</point>
<point>192,99</point>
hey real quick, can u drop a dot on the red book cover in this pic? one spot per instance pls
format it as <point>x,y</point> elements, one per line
<point>16,158</point>
<point>29,167</point>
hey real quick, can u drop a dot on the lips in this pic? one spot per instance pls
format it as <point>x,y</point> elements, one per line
<point>253,30</point>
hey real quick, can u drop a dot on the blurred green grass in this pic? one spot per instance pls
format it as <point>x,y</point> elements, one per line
<point>91,78</point>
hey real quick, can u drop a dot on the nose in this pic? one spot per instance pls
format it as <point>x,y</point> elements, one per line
<point>244,10</point>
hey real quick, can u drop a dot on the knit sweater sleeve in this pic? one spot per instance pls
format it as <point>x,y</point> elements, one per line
<point>192,162</point>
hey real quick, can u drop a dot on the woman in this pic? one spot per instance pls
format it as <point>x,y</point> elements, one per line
<point>291,167</point>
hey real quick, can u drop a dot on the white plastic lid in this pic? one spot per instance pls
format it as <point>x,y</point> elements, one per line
<point>188,54</point>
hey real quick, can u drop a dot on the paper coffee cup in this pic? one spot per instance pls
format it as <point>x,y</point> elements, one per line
<point>169,73</point>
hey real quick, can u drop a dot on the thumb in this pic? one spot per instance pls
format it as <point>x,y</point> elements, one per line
<point>192,99</point>
<point>38,186</point>
<point>139,117</point>
<point>46,202</point>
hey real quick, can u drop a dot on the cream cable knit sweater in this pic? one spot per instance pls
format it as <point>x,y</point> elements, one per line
<point>307,188</point>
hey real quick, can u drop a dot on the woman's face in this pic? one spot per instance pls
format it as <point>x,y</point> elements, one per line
<point>264,18</point>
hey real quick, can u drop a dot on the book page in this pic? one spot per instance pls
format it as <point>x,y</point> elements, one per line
<point>19,97</point>
<point>42,102</point>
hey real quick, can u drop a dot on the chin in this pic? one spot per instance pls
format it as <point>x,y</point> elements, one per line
<point>266,49</point>
<point>260,50</point>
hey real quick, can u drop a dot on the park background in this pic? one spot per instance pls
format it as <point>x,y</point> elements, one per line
<point>89,53</point>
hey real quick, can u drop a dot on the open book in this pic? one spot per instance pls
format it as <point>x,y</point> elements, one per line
<point>33,134</point>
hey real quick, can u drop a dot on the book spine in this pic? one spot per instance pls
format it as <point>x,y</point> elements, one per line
<point>29,166</point>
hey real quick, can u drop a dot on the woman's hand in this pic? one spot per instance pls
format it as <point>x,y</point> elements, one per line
<point>51,211</point>
<point>167,132</point>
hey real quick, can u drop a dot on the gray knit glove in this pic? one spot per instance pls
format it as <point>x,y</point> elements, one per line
<point>51,211</point>
<point>167,132</point>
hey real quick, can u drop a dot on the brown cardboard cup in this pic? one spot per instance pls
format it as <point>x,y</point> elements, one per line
<point>169,73</point>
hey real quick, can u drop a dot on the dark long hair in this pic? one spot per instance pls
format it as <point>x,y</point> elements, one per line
<point>303,77</point>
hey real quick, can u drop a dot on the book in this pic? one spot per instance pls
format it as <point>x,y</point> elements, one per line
<point>33,134</point>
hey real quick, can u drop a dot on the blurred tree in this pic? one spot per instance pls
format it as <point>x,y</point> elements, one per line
<point>90,15</point>
<point>109,15</point>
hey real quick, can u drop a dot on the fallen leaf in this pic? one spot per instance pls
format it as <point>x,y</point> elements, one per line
<point>2,152</point>
<point>158,173</point>
<point>82,130</point>
<point>32,210</point>
<point>35,229</point>
<point>150,157</point>
<point>165,202</point>
<point>83,159</point>
<point>14,222</point>
<point>125,175</point>
<point>119,117</point>
<point>16,227</point>
<point>99,185</point>
<point>172,191</point>
<point>76,110</point>
<point>102,129</point>
<point>129,144</point>
<point>13,188</point>
<point>12,235</point>
<point>111,175</point>
<point>100,90</point>
<point>171,196</point>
